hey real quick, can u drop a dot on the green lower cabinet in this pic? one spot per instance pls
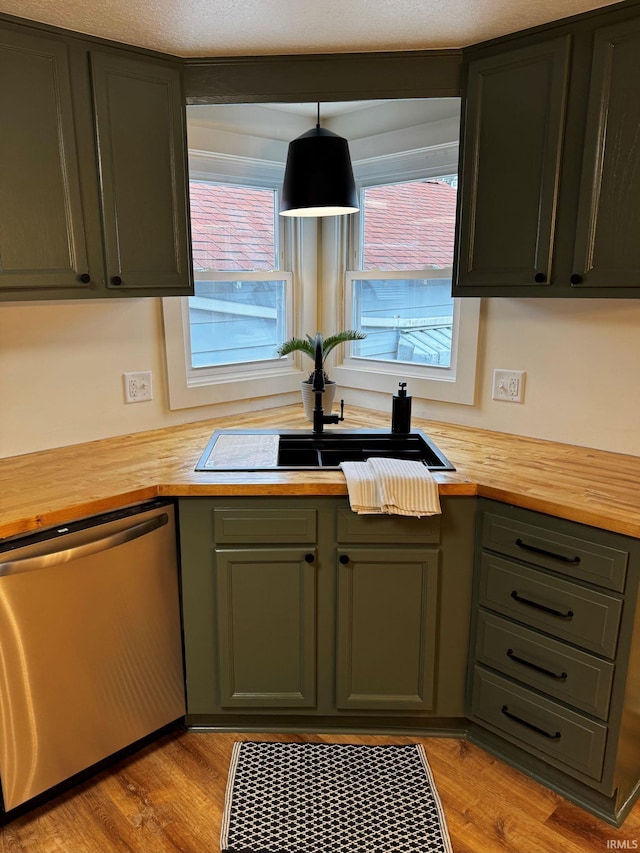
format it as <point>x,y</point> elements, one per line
<point>266,620</point>
<point>554,663</point>
<point>559,734</point>
<point>387,628</point>
<point>297,609</point>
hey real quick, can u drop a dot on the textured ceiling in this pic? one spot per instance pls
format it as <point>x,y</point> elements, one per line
<point>245,27</point>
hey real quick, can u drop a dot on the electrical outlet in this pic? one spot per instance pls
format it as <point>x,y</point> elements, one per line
<point>137,386</point>
<point>508,385</point>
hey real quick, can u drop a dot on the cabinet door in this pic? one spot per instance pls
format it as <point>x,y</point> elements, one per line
<point>266,614</point>
<point>139,114</point>
<point>607,251</point>
<point>42,240</point>
<point>386,628</point>
<point>514,122</point>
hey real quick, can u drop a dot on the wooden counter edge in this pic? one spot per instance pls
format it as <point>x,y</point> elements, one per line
<point>619,523</point>
<point>28,524</point>
<point>75,512</point>
<point>72,512</point>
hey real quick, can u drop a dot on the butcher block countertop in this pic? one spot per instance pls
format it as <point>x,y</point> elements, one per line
<point>57,486</point>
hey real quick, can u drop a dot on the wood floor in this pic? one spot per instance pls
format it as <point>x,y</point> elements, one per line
<point>169,796</point>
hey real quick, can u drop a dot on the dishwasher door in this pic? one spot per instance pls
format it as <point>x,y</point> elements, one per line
<point>90,645</point>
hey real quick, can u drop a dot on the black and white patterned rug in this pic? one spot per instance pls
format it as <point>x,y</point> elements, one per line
<point>332,798</point>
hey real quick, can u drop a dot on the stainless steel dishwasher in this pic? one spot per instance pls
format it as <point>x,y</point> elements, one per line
<point>90,644</point>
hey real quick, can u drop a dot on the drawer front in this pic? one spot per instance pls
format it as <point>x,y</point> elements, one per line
<point>561,671</point>
<point>392,529</point>
<point>565,738</point>
<point>569,555</point>
<point>583,616</point>
<point>244,525</point>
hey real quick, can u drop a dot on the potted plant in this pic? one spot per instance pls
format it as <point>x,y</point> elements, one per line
<point>307,345</point>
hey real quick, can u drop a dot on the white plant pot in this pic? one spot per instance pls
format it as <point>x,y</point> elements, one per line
<point>308,398</point>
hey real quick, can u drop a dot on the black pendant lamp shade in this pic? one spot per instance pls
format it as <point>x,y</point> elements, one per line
<point>318,177</point>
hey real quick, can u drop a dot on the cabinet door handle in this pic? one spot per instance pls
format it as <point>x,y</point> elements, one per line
<point>538,606</point>
<point>535,550</point>
<point>309,558</point>
<point>115,279</point>
<point>540,277</point>
<point>507,713</point>
<point>558,677</point>
<point>85,278</point>
<point>344,559</point>
<point>576,278</point>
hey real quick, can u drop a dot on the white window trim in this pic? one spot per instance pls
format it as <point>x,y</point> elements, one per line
<point>340,254</point>
<point>453,384</point>
<point>414,165</point>
<point>245,369</point>
<point>199,386</point>
<point>277,378</point>
<point>234,169</point>
<point>275,382</point>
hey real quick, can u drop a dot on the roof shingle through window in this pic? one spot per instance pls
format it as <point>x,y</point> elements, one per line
<point>407,226</point>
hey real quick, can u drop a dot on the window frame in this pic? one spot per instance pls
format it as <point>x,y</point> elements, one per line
<point>453,384</point>
<point>191,387</point>
<point>220,372</point>
<point>320,252</point>
<point>456,384</point>
<point>385,365</point>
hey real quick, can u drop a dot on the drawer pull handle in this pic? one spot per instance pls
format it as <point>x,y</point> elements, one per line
<point>558,677</point>
<point>526,547</point>
<point>507,713</point>
<point>551,610</point>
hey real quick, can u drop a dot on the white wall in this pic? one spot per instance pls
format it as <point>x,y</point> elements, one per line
<point>61,366</point>
<point>581,360</point>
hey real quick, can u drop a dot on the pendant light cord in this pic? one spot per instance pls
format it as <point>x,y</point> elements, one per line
<point>318,122</point>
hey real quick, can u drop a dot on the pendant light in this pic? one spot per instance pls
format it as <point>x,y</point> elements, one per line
<point>318,177</point>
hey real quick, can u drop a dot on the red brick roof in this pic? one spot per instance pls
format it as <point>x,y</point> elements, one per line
<point>231,227</point>
<point>408,226</point>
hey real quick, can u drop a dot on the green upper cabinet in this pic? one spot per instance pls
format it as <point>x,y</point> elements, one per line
<point>514,126</point>
<point>550,163</point>
<point>43,247</point>
<point>139,119</point>
<point>607,250</point>
<point>93,198</point>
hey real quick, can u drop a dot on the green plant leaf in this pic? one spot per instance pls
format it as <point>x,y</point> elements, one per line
<point>295,345</point>
<point>341,338</point>
<point>308,346</point>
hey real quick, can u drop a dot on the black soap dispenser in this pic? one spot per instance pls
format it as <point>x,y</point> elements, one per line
<point>401,411</point>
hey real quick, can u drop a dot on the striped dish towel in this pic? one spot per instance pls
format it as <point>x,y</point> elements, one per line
<point>392,486</point>
<point>405,487</point>
<point>363,489</point>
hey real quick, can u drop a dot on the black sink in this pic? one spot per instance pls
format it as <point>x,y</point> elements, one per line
<point>298,450</point>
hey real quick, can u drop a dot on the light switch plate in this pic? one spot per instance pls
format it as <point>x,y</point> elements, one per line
<point>137,386</point>
<point>508,385</point>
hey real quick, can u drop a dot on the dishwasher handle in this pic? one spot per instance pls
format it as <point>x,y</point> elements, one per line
<point>95,546</point>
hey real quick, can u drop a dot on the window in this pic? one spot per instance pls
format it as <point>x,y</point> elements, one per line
<point>400,292</point>
<point>238,314</point>
<point>406,228</point>
<point>221,342</point>
<point>261,278</point>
